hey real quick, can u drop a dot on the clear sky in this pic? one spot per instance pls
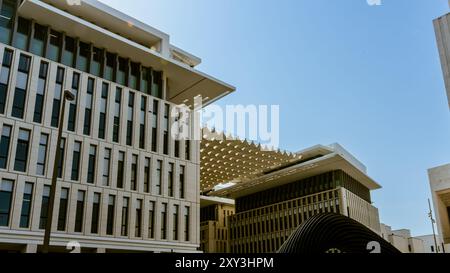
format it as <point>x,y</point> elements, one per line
<point>367,77</point>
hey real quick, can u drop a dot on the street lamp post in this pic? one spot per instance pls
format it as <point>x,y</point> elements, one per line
<point>67,96</point>
<point>430,214</point>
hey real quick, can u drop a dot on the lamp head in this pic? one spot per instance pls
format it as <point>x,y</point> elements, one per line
<point>69,96</point>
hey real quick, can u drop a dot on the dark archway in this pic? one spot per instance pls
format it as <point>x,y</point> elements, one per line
<point>332,232</point>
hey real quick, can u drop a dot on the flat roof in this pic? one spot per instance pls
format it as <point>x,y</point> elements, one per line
<point>206,201</point>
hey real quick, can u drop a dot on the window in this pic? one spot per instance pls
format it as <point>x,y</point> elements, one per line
<point>44,207</point>
<point>143,122</point>
<point>182,181</point>
<point>121,76</point>
<point>73,104</point>
<point>124,228</point>
<point>21,87</point>
<point>116,126</point>
<point>177,138</point>
<point>110,216</point>
<point>157,84</point>
<point>22,33</point>
<point>91,164</point>
<point>79,211</point>
<point>164,221</point>
<point>188,149</point>
<point>138,222</point>
<point>147,175</point>
<point>97,60</point>
<point>106,167</point>
<point>39,39</point>
<point>95,213</point>
<point>158,177</point>
<point>166,129</point>
<point>84,56</point>
<point>134,173</point>
<point>155,126</point>
<point>23,145</point>
<point>6,20</point>
<point>145,79</point>
<point>63,206</point>
<point>57,98</point>
<point>42,155</point>
<point>170,179</point>
<point>151,221</point>
<point>103,109</point>
<point>176,209</point>
<point>110,66</point>
<point>54,46</point>
<point>186,223</point>
<point>4,146</point>
<point>6,195</point>
<point>130,119</point>
<point>134,76</point>
<point>4,77</point>
<point>120,170</point>
<point>61,160</point>
<point>76,161</point>
<point>40,93</point>
<point>68,56</point>
<point>88,109</point>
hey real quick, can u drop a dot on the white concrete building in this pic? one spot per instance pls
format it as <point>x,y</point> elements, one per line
<point>429,244</point>
<point>402,240</point>
<point>442,29</point>
<point>125,184</point>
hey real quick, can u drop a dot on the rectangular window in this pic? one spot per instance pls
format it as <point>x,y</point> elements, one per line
<point>44,207</point>
<point>182,181</point>
<point>134,168</point>
<point>124,227</point>
<point>110,66</point>
<point>68,56</point>
<point>164,221</point>
<point>40,93</point>
<point>110,216</point>
<point>145,80</point>
<point>42,155</point>
<point>26,205</point>
<point>73,104</point>
<point>138,222</point>
<point>117,111</point>
<point>4,77</point>
<point>166,130</point>
<point>188,149</point>
<point>4,146</point>
<point>88,109</point>
<point>76,161</point>
<point>147,175</point>
<point>120,170</point>
<point>39,39</point>
<point>22,34</point>
<point>170,179</point>
<point>158,177</point>
<point>79,211</point>
<point>130,119</point>
<point>176,209</point>
<point>103,111</point>
<point>23,145</point>
<point>6,20</point>
<point>155,126</point>
<point>97,60</point>
<point>143,122</point>
<point>61,160</point>
<point>84,56</point>
<point>121,76</point>
<point>20,95</point>
<point>91,164</point>
<point>151,221</point>
<point>63,206</point>
<point>57,98</point>
<point>106,167</point>
<point>6,196</point>
<point>157,84</point>
<point>54,46</point>
<point>134,76</point>
<point>95,213</point>
<point>186,224</point>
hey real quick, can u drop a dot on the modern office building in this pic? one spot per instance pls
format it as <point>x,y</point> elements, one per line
<point>403,240</point>
<point>275,191</point>
<point>124,183</point>
<point>214,218</point>
<point>442,29</point>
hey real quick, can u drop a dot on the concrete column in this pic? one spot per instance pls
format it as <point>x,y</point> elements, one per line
<point>100,250</point>
<point>30,248</point>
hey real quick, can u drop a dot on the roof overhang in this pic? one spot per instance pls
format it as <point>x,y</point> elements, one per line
<point>185,83</point>
<point>206,201</point>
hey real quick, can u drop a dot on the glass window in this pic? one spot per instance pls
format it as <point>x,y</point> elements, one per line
<point>54,46</point>
<point>166,129</point>
<point>138,219</point>
<point>22,33</point>
<point>110,216</point>
<point>7,12</point>
<point>155,126</point>
<point>88,109</point>
<point>158,177</point>
<point>63,206</point>
<point>42,155</point>
<point>97,60</point>
<point>164,221</point>
<point>57,97</point>
<point>95,213</point>
<point>4,146</point>
<point>63,156</point>
<point>118,109</point>
<point>145,80</point>
<point>40,93</point>
<point>142,122</point>
<point>151,220</point>
<point>76,161</point>
<point>170,179</point>
<point>73,104</point>
<point>182,181</point>
<point>44,207</point>
<point>6,195</point>
<point>20,95</point>
<point>134,76</point>
<point>147,175</point>
<point>84,56</point>
<point>120,170</point>
<point>186,223</point>
<point>69,51</point>
<point>91,164</point>
<point>79,211</point>
<point>106,167</point>
<point>110,66</point>
<point>124,227</point>
<point>4,78</point>
<point>103,111</point>
<point>121,77</point>
<point>134,167</point>
<point>176,209</point>
<point>26,205</point>
<point>130,119</point>
<point>23,145</point>
<point>157,84</point>
<point>39,39</point>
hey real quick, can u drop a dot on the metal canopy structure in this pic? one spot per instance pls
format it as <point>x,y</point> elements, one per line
<point>226,159</point>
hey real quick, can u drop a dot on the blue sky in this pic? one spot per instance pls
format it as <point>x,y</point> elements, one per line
<point>367,77</point>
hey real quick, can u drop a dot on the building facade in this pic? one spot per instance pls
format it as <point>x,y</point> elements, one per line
<point>125,184</point>
<point>442,30</point>
<point>402,240</point>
